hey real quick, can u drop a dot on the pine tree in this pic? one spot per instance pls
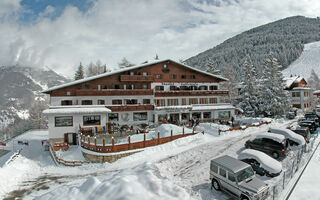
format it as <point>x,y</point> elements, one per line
<point>79,73</point>
<point>248,97</point>
<point>231,84</point>
<point>274,100</point>
<point>314,84</point>
<point>125,63</point>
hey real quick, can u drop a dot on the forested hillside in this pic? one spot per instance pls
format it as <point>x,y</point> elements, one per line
<point>285,38</point>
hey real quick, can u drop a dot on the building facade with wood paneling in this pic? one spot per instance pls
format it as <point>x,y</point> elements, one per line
<point>148,94</point>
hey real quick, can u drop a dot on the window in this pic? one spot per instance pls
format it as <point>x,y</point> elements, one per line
<point>214,168</point>
<point>86,102</point>
<point>145,73</point>
<point>63,121</point>
<point>203,100</point>
<point>131,87</point>
<point>100,102</point>
<point>231,177</point>
<point>145,86</point>
<point>184,87</point>
<point>207,115</point>
<point>131,73</point>
<point>86,86</point>
<point>183,76</point>
<point>203,87</point>
<point>173,102</point>
<point>140,116</point>
<point>160,102</point>
<point>183,101</point>
<point>113,117</point>
<point>116,86</point>
<point>172,88</point>
<point>91,120</point>
<point>223,172</point>
<point>146,101</point>
<point>165,68</point>
<point>158,76</point>
<point>66,102</point>
<point>212,100</point>
<point>173,76</point>
<point>295,94</point>
<point>159,88</point>
<point>213,87</point>
<point>192,76</point>
<point>116,102</point>
<point>68,93</point>
<point>193,101</point>
<point>131,101</point>
<point>224,114</point>
<point>306,94</point>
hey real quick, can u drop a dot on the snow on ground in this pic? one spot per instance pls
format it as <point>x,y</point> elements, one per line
<point>309,184</point>
<point>308,60</point>
<point>175,170</point>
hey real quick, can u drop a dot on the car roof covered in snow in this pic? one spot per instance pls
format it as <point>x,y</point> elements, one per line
<point>276,137</point>
<point>266,162</point>
<point>289,134</point>
<point>232,164</point>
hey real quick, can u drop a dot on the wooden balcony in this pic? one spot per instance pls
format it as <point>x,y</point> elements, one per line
<point>122,108</point>
<point>113,92</point>
<point>135,78</point>
<point>191,93</point>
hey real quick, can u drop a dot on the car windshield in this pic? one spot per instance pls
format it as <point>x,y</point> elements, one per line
<point>244,174</point>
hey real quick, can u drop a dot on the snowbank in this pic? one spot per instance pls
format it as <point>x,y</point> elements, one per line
<point>268,163</point>
<point>165,130</point>
<point>276,137</point>
<point>136,183</point>
<point>289,134</point>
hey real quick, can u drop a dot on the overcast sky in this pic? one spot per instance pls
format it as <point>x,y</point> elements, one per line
<point>60,34</point>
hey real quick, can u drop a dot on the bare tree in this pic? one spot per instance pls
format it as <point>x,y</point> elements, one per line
<point>125,63</point>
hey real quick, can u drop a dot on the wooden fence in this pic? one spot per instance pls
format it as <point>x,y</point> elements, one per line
<point>86,142</point>
<point>64,162</point>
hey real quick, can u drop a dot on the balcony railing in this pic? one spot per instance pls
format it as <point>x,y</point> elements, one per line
<point>121,108</point>
<point>141,78</point>
<point>113,92</point>
<point>191,93</point>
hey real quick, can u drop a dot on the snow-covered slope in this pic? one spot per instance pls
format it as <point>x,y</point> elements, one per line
<point>309,59</point>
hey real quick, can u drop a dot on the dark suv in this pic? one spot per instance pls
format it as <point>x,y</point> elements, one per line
<point>308,123</point>
<point>303,131</point>
<point>272,144</point>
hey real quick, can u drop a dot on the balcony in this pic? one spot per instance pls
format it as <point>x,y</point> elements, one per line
<point>113,92</point>
<point>136,78</point>
<point>122,108</point>
<point>192,93</point>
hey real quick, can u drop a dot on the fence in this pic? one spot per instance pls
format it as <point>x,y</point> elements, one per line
<point>64,162</point>
<point>243,128</point>
<point>90,143</point>
<point>300,158</point>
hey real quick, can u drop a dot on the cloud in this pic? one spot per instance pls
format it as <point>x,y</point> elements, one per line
<point>110,30</point>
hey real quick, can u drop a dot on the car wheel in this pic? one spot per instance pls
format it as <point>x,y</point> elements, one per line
<point>215,184</point>
<point>244,198</point>
<point>275,155</point>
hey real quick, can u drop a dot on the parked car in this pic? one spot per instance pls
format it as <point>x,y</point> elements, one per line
<point>312,116</point>
<point>290,115</point>
<point>307,123</point>
<point>303,131</point>
<point>318,111</point>
<point>237,179</point>
<point>272,144</point>
<point>261,163</point>
<point>293,138</point>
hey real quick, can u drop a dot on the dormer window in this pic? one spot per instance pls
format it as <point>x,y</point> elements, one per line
<point>165,68</point>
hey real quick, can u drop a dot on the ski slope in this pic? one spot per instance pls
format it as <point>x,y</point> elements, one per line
<point>308,60</point>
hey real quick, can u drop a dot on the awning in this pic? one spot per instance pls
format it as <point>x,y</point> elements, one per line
<point>213,107</point>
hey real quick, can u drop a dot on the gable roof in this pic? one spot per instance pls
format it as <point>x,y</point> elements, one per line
<point>128,69</point>
<point>289,81</point>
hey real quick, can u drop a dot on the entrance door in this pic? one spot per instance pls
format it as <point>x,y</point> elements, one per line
<point>174,118</point>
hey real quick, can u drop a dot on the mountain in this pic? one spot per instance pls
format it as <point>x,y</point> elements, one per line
<point>19,87</point>
<point>309,59</point>
<point>285,38</point>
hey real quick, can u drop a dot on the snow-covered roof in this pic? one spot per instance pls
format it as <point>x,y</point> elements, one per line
<point>276,137</point>
<point>291,80</point>
<point>212,107</point>
<point>316,92</point>
<point>76,110</point>
<point>301,88</point>
<point>266,162</point>
<point>128,69</point>
<point>289,134</point>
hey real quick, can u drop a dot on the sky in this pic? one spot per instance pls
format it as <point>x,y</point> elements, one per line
<point>60,34</point>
